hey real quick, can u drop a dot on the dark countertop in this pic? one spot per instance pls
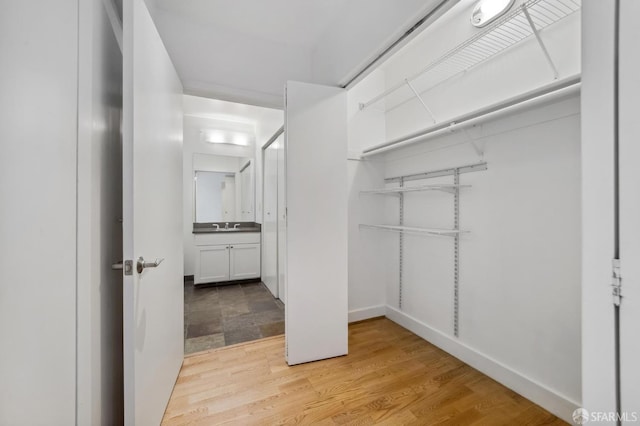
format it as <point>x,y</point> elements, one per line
<point>208,228</point>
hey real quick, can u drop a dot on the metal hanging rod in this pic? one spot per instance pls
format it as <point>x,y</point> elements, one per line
<point>442,172</point>
<point>521,23</point>
<point>549,93</point>
<point>396,191</point>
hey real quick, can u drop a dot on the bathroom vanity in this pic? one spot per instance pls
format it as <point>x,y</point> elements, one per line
<point>225,254</point>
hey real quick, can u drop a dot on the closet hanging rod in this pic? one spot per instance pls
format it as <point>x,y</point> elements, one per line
<point>549,93</point>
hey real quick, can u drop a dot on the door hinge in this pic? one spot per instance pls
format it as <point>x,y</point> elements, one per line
<point>616,282</point>
<point>128,267</point>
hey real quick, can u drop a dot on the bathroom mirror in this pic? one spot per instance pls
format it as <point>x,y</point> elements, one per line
<point>215,196</point>
<point>224,196</point>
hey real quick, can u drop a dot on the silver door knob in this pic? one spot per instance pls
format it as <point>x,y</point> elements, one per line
<point>141,264</point>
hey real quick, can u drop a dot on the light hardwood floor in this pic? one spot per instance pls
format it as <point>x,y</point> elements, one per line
<point>390,377</point>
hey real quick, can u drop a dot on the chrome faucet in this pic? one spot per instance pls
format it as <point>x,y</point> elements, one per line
<point>236,226</point>
<point>226,225</point>
<point>216,225</point>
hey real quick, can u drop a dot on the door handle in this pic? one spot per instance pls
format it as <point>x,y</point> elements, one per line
<point>141,264</point>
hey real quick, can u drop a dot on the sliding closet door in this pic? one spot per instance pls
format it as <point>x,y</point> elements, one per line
<point>629,209</point>
<point>316,197</point>
<point>282,220</point>
<point>270,220</point>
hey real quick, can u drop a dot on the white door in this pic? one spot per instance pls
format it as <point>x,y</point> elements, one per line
<point>212,264</point>
<point>270,220</point>
<point>629,152</point>
<point>244,261</point>
<point>152,219</point>
<point>316,196</point>
<point>282,220</point>
<point>598,213</point>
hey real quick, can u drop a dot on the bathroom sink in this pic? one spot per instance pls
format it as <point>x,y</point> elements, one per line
<point>208,228</point>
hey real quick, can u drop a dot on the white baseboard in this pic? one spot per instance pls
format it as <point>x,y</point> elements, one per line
<point>366,313</point>
<point>550,400</point>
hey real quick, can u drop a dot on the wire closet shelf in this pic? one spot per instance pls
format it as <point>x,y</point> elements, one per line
<point>522,22</point>
<point>417,231</point>
<point>397,191</point>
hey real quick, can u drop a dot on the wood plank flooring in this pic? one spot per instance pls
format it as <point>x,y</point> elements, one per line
<point>390,377</point>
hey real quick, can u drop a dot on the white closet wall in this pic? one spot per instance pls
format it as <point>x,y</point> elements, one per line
<point>519,265</point>
<point>38,82</point>
<point>366,272</point>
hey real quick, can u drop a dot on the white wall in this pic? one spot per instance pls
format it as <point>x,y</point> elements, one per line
<point>100,375</point>
<point>520,263</point>
<point>366,273</point>
<point>38,82</point>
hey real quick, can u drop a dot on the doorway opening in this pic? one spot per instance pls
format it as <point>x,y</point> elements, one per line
<point>228,298</point>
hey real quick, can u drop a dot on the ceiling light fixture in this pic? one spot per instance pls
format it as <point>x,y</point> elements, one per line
<point>487,11</point>
<point>227,137</point>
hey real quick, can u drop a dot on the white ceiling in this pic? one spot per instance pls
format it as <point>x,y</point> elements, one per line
<point>273,20</point>
<point>245,50</point>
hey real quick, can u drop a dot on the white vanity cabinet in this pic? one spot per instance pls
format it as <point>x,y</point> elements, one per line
<point>226,256</point>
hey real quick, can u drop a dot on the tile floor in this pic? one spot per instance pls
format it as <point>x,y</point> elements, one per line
<point>225,315</point>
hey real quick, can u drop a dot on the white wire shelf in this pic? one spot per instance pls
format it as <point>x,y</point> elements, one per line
<point>522,22</point>
<point>412,230</point>
<point>396,191</point>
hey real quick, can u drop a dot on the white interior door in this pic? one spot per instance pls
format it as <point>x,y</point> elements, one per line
<point>282,220</point>
<point>598,213</point>
<point>152,213</point>
<point>316,196</point>
<point>629,152</point>
<point>270,220</point>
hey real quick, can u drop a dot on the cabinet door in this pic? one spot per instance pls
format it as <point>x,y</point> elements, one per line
<point>245,261</point>
<point>212,264</point>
